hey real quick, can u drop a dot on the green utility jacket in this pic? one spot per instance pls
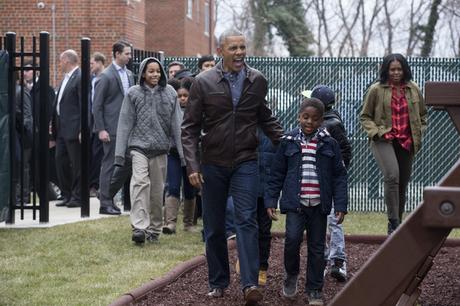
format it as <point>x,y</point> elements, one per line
<point>376,114</point>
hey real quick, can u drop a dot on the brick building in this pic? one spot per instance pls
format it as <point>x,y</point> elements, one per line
<point>177,27</point>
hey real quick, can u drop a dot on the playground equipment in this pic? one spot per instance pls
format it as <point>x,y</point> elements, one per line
<point>393,274</point>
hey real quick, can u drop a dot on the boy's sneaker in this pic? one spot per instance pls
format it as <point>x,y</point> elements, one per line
<point>290,286</point>
<point>230,235</point>
<point>339,270</point>
<point>326,268</point>
<point>138,236</point>
<point>262,277</point>
<point>315,297</point>
<point>153,238</point>
<point>215,293</point>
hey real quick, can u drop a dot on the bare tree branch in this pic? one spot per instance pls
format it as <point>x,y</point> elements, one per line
<point>389,48</point>
<point>367,33</point>
<point>320,8</point>
<point>430,28</point>
<point>349,28</point>
<point>415,18</point>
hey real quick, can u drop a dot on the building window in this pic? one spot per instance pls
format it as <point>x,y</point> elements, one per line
<point>206,19</point>
<point>189,8</point>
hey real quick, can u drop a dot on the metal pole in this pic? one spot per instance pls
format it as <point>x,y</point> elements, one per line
<point>43,128</point>
<point>20,79</point>
<point>161,57</point>
<point>85,133</point>
<point>10,44</point>
<point>53,22</point>
<point>33,158</point>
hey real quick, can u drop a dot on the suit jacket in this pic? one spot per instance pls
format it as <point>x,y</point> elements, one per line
<point>108,97</point>
<point>67,124</point>
<point>94,79</point>
<point>35,92</point>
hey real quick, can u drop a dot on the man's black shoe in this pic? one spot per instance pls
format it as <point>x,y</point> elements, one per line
<point>72,204</point>
<point>116,208</point>
<point>138,236</point>
<point>63,203</point>
<point>108,210</point>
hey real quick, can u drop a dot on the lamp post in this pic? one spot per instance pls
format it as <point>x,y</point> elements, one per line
<point>41,5</point>
<point>53,40</point>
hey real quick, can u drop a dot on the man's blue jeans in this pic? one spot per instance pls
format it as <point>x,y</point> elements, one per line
<point>241,182</point>
<point>229,218</point>
<point>312,220</point>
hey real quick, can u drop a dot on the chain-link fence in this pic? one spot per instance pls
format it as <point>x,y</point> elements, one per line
<point>350,77</point>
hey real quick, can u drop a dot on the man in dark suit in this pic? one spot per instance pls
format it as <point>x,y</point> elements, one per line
<point>35,94</point>
<point>109,92</point>
<point>97,152</point>
<point>66,128</point>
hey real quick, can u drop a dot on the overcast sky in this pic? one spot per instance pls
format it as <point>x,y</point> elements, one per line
<point>442,45</point>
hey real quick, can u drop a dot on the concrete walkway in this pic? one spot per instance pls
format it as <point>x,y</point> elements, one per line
<point>57,216</point>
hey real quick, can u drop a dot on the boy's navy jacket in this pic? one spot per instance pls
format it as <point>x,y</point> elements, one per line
<point>286,175</point>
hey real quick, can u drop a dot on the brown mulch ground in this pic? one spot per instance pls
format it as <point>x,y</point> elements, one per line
<point>441,287</point>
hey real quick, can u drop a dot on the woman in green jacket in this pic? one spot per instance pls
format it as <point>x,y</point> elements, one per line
<point>394,117</point>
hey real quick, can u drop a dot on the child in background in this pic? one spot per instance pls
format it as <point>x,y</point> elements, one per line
<point>150,116</point>
<point>335,251</point>
<point>266,151</point>
<point>309,169</point>
<point>177,175</point>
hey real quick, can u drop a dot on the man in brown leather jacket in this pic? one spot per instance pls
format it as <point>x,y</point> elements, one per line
<point>226,105</point>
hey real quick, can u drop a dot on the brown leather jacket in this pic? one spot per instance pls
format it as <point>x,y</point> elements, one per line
<point>228,133</point>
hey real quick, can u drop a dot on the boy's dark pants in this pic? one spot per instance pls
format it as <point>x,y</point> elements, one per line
<point>265,236</point>
<point>312,220</point>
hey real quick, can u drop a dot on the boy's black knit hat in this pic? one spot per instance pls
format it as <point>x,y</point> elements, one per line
<point>183,73</point>
<point>205,58</point>
<point>325,94</point>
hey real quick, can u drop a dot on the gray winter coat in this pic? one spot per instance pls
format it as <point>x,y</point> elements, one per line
<point>149,118</point>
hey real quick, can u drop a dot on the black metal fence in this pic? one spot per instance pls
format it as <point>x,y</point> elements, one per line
<point>29,115</point>
<point>28,126</point>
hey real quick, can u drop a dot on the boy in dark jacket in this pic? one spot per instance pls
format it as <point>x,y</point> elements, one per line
<point>309,169</point>
<point>335,251</point>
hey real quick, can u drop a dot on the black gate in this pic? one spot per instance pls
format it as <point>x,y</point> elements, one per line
<point>29,116</point>
<point>28,127</point>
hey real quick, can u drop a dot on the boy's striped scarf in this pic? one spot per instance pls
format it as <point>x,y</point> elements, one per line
<point>309,185</point>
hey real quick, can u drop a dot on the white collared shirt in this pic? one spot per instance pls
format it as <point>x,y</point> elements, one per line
<point>123,76</point>
<point>62,88</point>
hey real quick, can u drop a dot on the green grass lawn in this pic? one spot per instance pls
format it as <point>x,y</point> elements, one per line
<point>94,262</point>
